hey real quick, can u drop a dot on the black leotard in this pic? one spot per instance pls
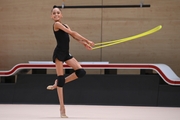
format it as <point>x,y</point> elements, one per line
<point>61,52</point>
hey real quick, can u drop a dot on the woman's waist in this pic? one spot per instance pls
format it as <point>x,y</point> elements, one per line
<point>62,48</point>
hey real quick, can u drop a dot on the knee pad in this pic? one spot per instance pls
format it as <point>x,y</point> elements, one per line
<point>80,73</point>
<point>61,81</point>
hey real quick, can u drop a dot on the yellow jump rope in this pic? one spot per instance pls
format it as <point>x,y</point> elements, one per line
<point>113,42</point>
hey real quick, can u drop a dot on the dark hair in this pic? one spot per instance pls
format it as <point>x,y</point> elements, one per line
<point>55,7</point>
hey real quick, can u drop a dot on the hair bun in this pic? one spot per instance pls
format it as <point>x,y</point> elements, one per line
<point>54,6</point>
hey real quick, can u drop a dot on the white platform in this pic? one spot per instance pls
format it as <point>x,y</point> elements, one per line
<point>86,62</point>
<point>166,73</point>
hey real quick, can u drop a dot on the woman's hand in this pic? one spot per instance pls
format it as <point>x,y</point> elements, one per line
<point>88,46</point>
<point>90,43</point>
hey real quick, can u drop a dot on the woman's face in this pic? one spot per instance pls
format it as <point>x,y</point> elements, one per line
<point>56,14</point>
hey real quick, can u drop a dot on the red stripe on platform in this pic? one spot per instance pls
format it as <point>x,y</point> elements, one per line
<point>91,66</point>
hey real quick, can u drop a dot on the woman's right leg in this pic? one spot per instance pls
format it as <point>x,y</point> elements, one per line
<point>59,82</point>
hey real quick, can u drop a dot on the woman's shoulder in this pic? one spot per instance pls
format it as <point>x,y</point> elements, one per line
<point>57,23</point>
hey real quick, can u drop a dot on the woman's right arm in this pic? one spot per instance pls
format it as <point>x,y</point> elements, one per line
<point>75,35</point>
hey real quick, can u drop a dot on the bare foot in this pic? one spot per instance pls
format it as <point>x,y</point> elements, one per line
<point>52,87</point>
<point>63,114</point>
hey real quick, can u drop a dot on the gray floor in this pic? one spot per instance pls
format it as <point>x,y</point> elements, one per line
<point>87,112</point>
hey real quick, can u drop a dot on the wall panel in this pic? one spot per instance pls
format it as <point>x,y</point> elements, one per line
<point>160,47</point>
<point>26,31</point>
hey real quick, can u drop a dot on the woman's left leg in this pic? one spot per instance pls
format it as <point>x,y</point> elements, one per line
<point>79,71</point>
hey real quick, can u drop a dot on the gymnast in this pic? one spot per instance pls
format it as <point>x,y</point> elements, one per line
<point>61,54</point>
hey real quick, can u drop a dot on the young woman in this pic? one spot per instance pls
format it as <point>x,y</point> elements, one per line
<point>61,55</point>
